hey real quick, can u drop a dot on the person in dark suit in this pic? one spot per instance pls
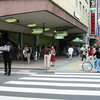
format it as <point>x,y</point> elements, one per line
<point>7,56</point>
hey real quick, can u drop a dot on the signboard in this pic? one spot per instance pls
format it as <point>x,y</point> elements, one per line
<point>37,31</point>
<point>59,37</point>
<point>93,24</point>
<point>92,3</point>
<point>61,33</point>
<point>99,30</point>
<point>98,39</point>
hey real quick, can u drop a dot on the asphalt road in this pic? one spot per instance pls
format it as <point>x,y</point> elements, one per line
<point>49,85</point>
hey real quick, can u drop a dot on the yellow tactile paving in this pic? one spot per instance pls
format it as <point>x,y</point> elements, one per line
<point>74,65</point>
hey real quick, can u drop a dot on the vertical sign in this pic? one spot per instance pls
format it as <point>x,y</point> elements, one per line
<point>92,23</point>
<point>98,29</point>
<point>92,3</point>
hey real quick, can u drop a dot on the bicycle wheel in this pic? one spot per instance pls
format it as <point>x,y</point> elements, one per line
<point>87,66</point>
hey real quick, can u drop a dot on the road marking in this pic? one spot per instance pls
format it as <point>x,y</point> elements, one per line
<point>21,72</point>
<point>22,98</point>
<point>50,91</point>
<point>74,64</point>
<point>54,84</point>
<point>81,76</point>
<point>65,73</point>
<point>73,68</point>
<point>59,79</point>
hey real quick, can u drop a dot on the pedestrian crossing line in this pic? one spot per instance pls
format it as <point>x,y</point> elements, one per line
<point>21,72</point>
<point>22,98</point>
<point>59,79</point>
<point>50,91</point>
<point>64,73</point>
<point>54,84</point>
<point>80,76</point>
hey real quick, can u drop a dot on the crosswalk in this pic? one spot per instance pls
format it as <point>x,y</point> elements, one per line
<point>57,86</point>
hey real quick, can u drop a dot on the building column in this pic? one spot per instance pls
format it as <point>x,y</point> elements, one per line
<point>4,38</point>
<point>20,40</point>
<point>37,40</point>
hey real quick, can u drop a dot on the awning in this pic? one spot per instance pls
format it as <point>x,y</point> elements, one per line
<point>78,40</point>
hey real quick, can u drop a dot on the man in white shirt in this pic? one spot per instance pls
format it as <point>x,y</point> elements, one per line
<point>70,52</point>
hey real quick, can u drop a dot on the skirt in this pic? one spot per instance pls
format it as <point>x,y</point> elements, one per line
<point>53,58</point>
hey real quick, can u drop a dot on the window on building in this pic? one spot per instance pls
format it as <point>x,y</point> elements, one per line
<point>83,9</point>
<point>80,4</point>
<point>76,1</point>
<point>86,12</point>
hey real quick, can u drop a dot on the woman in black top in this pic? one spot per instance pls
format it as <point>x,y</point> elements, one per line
<point>7,56</point>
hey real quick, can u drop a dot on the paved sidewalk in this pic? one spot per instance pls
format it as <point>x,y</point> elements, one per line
<point>60,61</point>
<point>62,64</point>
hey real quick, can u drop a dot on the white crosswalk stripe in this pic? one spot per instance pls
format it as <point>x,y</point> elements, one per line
<point>21,98</point>
<point>81,76</point>
<point>55,84</point>
<point>21,72</point>
<point>59,84</point>
<point>60,79</point>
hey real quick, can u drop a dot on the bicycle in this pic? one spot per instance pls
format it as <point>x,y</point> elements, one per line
<point>89,64</point>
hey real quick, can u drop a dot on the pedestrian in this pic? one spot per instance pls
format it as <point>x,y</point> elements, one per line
<point>91,51</point>
<point>84,53</point>
<point>70,53</point>
<point>78,50</point>
<point>97,54</point>
<point>7,56</point>
<point>25,52</point>
<point>53,56</point>
<point>28,54</point>
<point>31,52</point>
<point>47,56</point>
<point>19,54</point>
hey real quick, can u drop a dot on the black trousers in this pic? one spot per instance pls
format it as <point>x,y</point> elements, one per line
<point>7,66</point>
<point>83,57</point>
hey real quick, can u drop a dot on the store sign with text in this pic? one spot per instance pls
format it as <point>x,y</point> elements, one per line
<point>93,24</point>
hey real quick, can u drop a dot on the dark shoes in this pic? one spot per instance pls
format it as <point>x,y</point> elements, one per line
<point>98,71</point>
<point>6,74</point>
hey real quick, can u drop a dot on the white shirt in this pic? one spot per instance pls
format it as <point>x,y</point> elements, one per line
<point>70,50</point>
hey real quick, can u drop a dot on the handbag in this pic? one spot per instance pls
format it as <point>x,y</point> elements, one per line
<point>5,48</point>
<point>25,53</point>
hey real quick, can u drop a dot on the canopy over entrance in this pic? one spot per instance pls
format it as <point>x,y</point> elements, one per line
<point>78,40</point>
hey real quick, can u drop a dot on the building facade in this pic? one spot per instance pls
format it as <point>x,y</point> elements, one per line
<point>50,18</point>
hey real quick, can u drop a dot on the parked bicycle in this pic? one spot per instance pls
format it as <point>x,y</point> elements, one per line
<point>89,64</point>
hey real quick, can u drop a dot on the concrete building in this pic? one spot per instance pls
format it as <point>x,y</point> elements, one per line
<point>48,18</point>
